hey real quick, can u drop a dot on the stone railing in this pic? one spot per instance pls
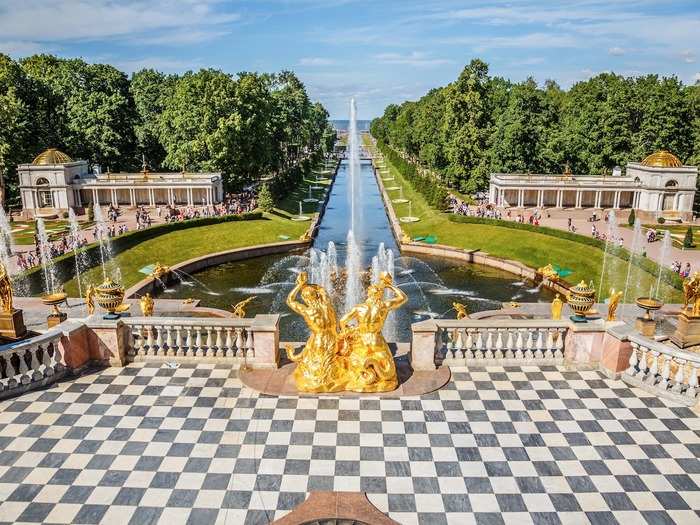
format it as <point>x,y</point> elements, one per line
<point>663,369</point>
<point>253,340</point>
<point>31,363</point>
<point>488,341</point>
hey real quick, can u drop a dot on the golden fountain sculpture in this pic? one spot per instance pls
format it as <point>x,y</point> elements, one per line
<point>613,303</point>
<point>147,305</point>
<point>159,270</point>
<point>461,310</point>
<point>90,299</point>
<point>239,308</point>
<point>691,295</point>
<point>5,290</point>
<point>356,358</point>
<point>548,272</point>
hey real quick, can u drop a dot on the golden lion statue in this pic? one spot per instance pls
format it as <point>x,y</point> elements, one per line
<point>691,295</point>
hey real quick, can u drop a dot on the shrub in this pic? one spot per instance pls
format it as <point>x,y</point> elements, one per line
<point>631,218</point>
<point>64,214</point>
<point>90,214</point>
<point>661,220</point>
<point>265,200</point>
<point>688,240</point>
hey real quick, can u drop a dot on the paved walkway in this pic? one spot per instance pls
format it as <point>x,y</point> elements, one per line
<point>148,443</point>
<point>580,219</point>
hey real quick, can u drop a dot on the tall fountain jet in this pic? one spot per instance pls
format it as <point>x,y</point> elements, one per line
<point>353,258</point>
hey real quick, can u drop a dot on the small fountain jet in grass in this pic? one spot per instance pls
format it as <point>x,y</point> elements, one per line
<point>239,308</point>
<point>301,217</point>
<point>410,217</point>
<point>400,199</point>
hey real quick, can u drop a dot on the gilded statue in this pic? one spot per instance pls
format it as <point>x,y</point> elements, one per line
<point>369,363</point>
<point>319,368</point>
<point>556,308</point>
<point>691,294</point>
<point>406,238</point>
<point>159,270</point>
<point>613,303</point>
<point>147,305</point>
<point>548,272</point>
<point>239,308</point>
<point>461,310</point>
<point>90,299</point>
<point>5,290</point>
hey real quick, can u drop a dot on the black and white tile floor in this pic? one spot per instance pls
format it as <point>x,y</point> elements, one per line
<point>149,443</point>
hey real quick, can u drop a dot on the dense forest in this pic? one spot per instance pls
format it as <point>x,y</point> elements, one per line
<point>246,125</point>
<point>480,124</point>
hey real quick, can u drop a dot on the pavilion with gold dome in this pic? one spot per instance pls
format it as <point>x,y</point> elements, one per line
<point>53,182</point>
<point>658,186</point>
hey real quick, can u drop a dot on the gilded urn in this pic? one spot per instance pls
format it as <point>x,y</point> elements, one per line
<point>109,295</point>
<point>581,298</point>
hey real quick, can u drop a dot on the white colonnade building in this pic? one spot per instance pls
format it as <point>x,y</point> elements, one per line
<point>54,182</point>
<point>659,186</point>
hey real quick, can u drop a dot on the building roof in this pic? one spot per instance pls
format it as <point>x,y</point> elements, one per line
<point>662,159</point>
<point>51,156</point>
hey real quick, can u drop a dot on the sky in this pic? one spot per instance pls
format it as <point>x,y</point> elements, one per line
<point>379,51</point>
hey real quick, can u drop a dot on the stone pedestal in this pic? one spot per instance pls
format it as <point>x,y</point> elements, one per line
<point>54,319</point>
<point>687,331</point>
<point>266,332</point>
<point>12,324</point>
<point>646,327</point>
<point>423,345</point>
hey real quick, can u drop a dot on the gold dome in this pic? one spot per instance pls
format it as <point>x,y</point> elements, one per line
<point>51,156</point>
<point>662,159</point>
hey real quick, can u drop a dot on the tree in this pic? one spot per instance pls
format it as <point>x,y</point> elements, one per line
<point>688,240</point>
<point>265,200</point>
<point>631,218</point>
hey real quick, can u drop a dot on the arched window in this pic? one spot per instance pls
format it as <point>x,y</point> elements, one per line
<point>672,184</point>
<point>41,181</point>
<point>45,196</point>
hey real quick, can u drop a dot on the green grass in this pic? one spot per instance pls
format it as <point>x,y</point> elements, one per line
<point>532,249</point>
<point>290,204</point>
<point>54,228</point>
<point>178,246</point>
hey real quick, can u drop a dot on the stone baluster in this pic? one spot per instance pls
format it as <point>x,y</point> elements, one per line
<point>479,347</point>
<point>469,343</point>
<point>159,341</point>
<point>519,346</point>
<point>654,369</point>
<point>529,344</point>
<point>679,378</point>
<point>249,344</point>
<point>633,361</point>
<point>188,342</point>
<point>239,342</point>
<point>643,365</point>
<point>459,344</point>
<point>34,363</point>
<point>23,369</point>
<point>170,351</point>
<point>229,343</point>
<point>136,348</point>
<point>178,341</point>
<point>693,381</point>
<point>47,359</point>
<point>149,340</point>
<point>11,370</point>
<point>497,352</point>
<point>210,342</point>
<point>198,351</point>
<point>665,373</point>
<point>539,344</point>
<point>220,350</point>
<point>559,344</point>
<point>489,344</point>
<point>510,345</point>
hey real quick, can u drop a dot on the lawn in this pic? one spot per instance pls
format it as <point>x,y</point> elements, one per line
<point>533,249</point>
<point>23,231</point>
<point>179,246</point>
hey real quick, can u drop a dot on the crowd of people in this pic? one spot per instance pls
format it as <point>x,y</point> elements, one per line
<point>233,204</point>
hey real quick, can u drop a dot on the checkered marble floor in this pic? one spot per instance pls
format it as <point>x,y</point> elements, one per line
<point>149,443</point>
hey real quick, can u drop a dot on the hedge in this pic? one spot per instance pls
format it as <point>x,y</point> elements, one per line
<point>65,264</point>
<point>434,193</point>
<point>668,276</point>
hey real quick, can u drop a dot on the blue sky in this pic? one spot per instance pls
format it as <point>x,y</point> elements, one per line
<point>378,51</point>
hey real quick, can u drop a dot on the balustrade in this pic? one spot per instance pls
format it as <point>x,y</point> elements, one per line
<point>535,341</point>
<point>209,338</point>
<point>29,362</point>
<point>664,369</point>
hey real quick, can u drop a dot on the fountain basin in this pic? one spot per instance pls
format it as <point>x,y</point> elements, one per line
<point>393,188</point>
<point>409,219</point>
<point>300,218</point>
<point>399,201</point>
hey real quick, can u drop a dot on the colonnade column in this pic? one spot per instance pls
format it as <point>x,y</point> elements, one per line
<point>189,196</point>
<point>560,198</point>
<point>113,196</point>
<point>151,197</point>
<point>616,200</point>
<point>598,196</point>
<point>521,198</point>
<point>95,197</point>
<point>132,197</point>
<point>579,198</point>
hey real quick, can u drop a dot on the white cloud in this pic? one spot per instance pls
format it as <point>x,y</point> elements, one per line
<point>316,61</point>
<point>21,48</point>
<point>616,51</point>
<point>688,56</point>
<point>75,20</point>
<point>696,78</point>
<point>528,40</point>
<point>415,58</point>
<point>165,65</point>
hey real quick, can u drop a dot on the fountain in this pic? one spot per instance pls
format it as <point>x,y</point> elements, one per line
<point>81,259</point>
<point>400,199</point>
<point>310,198</point>
<point>634,275</point>
<point>301,217</point>
<point>19,284</point>
<point>664,259</point>
<point>51,283</point>
<point>109,266</point>
<point>409,217</point>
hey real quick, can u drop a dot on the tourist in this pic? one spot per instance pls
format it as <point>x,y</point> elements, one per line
<point>686,271</point>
